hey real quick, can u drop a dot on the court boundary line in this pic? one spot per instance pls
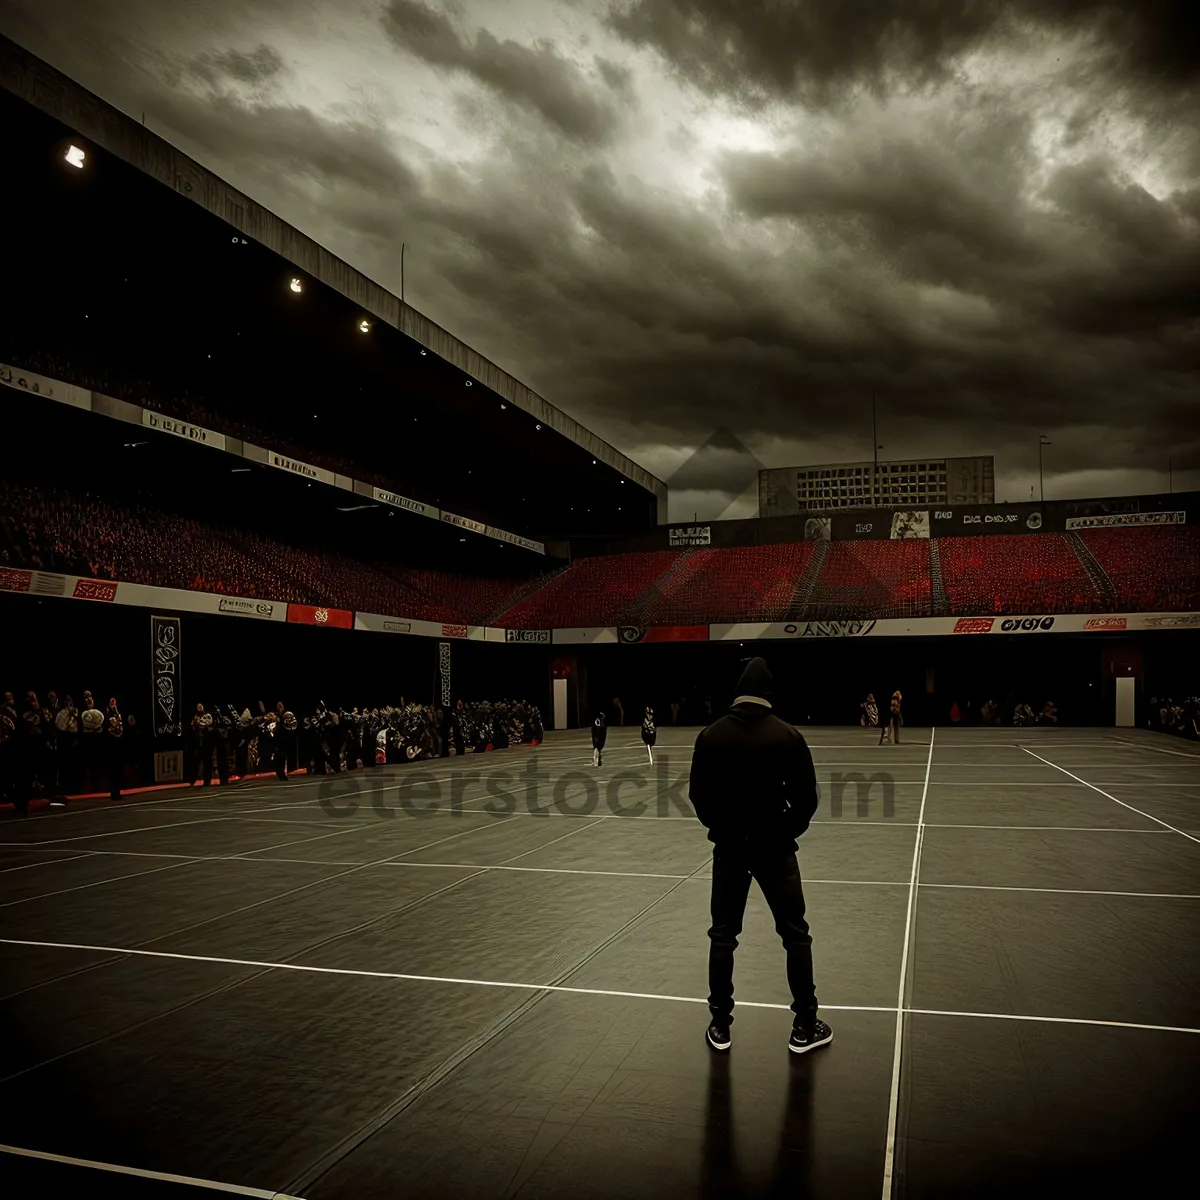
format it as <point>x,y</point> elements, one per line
<point>583,991</point>
<point>1148,816</point>
<point>211,1185</point>
<point>389,863</point>
<point>889,1155</point>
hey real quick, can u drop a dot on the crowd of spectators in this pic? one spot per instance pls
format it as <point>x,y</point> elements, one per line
<point>1014,711</point>
<point>56,748</point>
<point>52,528</point>
<point>1178,717</point>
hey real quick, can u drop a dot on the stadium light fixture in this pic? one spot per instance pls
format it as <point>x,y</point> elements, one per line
<point>75,156</point>
<point>364,326</point>
<point>296,286</point>
<point>537,427</point>
<point>468,383</point>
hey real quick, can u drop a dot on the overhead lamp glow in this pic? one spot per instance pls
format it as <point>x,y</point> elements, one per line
<point>75,157</point>
<point>364,326</point>
<point>296,286</point>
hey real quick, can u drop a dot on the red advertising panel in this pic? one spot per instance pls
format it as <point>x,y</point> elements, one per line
<point>95,589</point>
<point>974,624</point>
<point>332,618</point>
<point>676,633</point>
<point>15,581</point>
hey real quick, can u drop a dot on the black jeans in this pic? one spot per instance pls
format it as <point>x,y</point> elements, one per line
<point>778,875</point>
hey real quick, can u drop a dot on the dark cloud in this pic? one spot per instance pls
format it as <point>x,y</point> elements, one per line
<point>813,50</point>
<point>536,77</point>
<point>990,260</point>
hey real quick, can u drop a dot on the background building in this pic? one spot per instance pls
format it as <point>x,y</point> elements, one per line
<point>784,491</point>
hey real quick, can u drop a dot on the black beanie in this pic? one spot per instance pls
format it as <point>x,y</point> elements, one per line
<point>756,680</point>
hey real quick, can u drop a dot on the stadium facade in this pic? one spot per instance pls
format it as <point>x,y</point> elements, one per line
<point>786,491</point>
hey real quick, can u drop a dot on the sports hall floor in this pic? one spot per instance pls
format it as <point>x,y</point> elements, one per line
<point>239,987</point>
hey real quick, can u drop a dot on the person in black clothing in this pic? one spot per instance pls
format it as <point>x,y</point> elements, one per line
<point>114,751</point>
<point>202,746</point>
<point>754,788</point>
<point>649,732</point>
<point>599,736</point>
<point>223,732</point>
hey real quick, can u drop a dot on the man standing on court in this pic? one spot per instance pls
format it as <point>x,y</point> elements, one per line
<point>754,787</point>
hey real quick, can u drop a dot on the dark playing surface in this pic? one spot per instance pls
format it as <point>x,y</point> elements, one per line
<point>397,992</point>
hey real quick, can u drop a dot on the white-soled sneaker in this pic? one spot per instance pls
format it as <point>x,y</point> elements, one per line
<point>804,1039</point>
<point>718,1037</point>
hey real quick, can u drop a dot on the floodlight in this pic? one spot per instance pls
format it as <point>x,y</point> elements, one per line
<point>75,157</point>
<point>296,285</point>
<point>364,326</point>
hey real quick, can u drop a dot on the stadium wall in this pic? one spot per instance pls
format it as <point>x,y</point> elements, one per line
<point>894,524</point>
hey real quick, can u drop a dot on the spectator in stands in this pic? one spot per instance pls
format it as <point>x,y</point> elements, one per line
<point>67,729</point>
<point>91,745</point>
<point>754,788</point>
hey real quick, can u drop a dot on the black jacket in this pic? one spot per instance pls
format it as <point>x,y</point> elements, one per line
<point>599,732</point>
<point>753,783</point>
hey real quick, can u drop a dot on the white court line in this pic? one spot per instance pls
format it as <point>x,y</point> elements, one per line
<point>981,887</point>
<point>384,864</point>
<point>305,968</point>
<point>1159,750</point>
<point>1051,828</point>
<point>83,887</point>
<point>212,1185</point>
<point>894,1099</point>
<point>937,1012</point>
<point>1122,803</point>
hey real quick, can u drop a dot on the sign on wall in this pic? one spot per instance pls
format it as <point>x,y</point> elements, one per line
<point>165,683</point>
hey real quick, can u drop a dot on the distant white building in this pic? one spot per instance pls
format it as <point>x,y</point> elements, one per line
<point>785,491</point>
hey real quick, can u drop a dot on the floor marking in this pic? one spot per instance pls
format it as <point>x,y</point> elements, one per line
<point>994,887</point>
<point>1122,803</point>
<point>889,1155</point>
<point>213,1186</point>
<point>581,991</point>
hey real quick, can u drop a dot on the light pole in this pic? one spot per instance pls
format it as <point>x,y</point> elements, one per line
<point>1043,440</point>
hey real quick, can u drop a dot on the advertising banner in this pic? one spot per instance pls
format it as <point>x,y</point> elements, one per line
<point>1126,520</point>
<point>909,523</point>
<point>973,519</point>
<point>95,589</point>
<point>330,618</point>
<point>514,539</point>
<point>689,535</point>
<point>444,672</point>
<point>398,501</point>
<point>183,430</point>
<point>463,522</point>
<point>864,524</point>
<point>295,467</point>
<point>537,636</point>
<point>48,389</point>
<point>165,678</point>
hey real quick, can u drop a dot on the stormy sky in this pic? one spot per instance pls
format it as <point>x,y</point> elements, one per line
<point>673,217</point>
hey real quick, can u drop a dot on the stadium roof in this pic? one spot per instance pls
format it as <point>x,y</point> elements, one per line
<point>488,447</point>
